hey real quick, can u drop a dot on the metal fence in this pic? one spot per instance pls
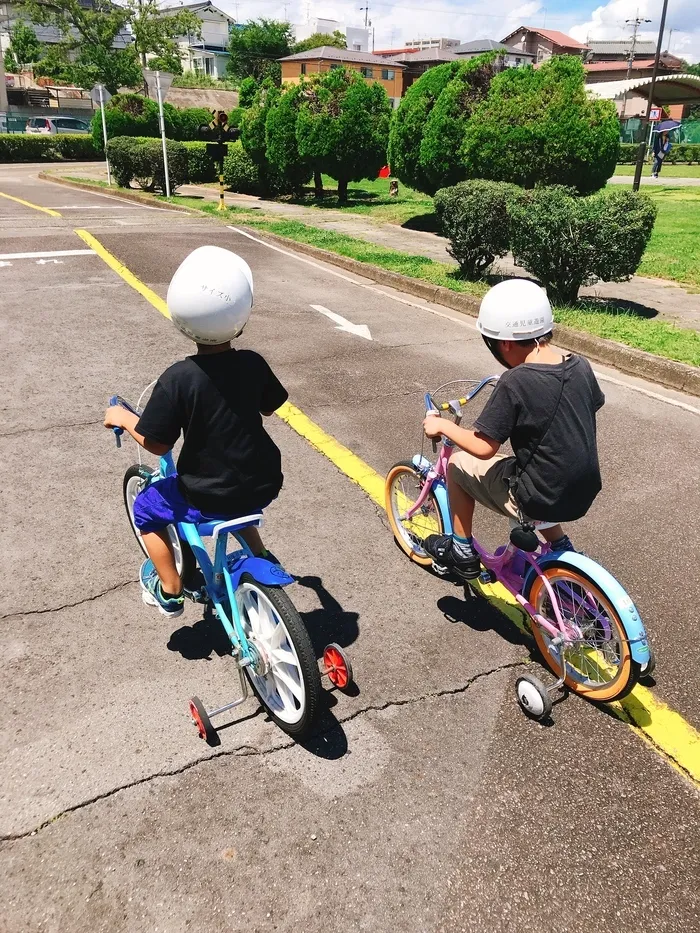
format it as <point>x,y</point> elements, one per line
<point>688,132</point>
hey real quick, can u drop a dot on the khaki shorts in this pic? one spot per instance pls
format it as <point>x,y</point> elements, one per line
<point>486,481</point>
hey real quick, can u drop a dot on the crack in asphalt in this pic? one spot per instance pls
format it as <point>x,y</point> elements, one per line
<point>78,602</point>
<point>51,427</point>
<point>249,751</point>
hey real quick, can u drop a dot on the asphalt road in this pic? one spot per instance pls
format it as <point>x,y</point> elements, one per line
<point>426,802</point>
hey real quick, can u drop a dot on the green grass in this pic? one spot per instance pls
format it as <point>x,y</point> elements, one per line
<point>680,170</point>
<point>674,249</point>
<point>371,198</point>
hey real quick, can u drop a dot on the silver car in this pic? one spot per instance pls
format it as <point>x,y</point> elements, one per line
<point>50,126</point>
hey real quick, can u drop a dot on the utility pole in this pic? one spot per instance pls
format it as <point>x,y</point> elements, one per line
<point>635,23</point>
<point>366,9</point>
<point>652,86</point>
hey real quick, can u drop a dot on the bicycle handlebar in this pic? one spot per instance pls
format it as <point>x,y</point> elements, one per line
<point>118,400</point>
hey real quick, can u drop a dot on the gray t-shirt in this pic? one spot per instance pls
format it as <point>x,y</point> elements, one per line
<point>562,477</point>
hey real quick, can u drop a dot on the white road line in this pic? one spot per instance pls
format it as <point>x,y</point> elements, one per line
<point>372,288</point>
<point>57,252</point>
<point>342,323</point>
<point>92,207</point>
<point>115,197</point>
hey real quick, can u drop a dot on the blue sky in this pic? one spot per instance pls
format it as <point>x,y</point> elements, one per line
<point>395,22</point>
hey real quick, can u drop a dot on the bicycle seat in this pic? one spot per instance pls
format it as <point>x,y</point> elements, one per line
<point>215,527</point>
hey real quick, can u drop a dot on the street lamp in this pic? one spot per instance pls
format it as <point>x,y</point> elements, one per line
<point>160,81</point>
<point>652,86</point>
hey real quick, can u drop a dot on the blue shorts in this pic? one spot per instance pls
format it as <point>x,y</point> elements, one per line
<point>162,504</point>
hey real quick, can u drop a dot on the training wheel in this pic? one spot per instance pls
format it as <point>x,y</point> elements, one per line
<point>201,719</point>
<point>533,697</point>
<point>337,666</point>
<point>649,667</point>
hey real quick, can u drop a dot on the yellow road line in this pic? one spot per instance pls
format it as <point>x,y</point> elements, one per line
<point>657,724</point>
<point>36,207</point>
<point>125,273</point>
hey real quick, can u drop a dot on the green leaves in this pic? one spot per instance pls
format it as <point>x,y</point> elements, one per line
<point>255,48</point>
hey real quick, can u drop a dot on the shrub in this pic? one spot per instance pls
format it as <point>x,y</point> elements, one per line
<point>200,165</point>
<point>628,153</point>
<point>281,147</point>
<point>473,215</point>
<point>134,115</point>
<point>189,121</point>
<point>141,160</point>
<point>20,147</point>
<point>539,126</point>
<point>568,241</point>
<point>246,92</point>
<point>240,172</point>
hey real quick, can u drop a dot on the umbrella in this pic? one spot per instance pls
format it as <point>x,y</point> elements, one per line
<point>665,126</point>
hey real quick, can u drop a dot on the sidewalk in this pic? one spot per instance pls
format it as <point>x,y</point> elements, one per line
<point>646,297</point>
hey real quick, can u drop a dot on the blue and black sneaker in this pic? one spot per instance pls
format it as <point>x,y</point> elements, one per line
<point>152,594</point>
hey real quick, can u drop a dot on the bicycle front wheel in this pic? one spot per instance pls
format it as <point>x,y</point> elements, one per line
<point>404,485</point>
<point>599,664</point>
<point>284,674</point>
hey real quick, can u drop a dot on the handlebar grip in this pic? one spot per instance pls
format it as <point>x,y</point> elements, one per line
<point>118,435</point>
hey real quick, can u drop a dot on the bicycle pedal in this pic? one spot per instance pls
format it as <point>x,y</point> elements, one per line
<point>440,570</point>
<point>487,577</point>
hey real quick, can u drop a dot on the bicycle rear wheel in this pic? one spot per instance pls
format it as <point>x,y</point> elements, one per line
<point>403,487</point>
<point>599,663</point>
<point>284,675</point>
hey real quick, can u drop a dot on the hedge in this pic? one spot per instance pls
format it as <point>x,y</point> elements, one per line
<point>240,172</point>
<point>200,165</point>
<point>686,153</point>
<point>29,147</point>
<point>141,160</point>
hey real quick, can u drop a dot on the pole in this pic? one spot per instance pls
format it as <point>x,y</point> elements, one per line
<point>652,87</point>
<point>162,136</point>
<point>222,204</point>
<point>104,133</point>
<point>3,92</point>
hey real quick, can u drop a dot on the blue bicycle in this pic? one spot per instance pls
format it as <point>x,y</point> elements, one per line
<point>269,640</point>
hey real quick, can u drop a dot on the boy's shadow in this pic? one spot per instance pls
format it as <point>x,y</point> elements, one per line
<point>486,613</point>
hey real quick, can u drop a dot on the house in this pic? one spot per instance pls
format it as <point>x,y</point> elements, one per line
<point>209,53</point>
<point>597,72</point>
<point>433,43</point>
<point>543,43</point>
<point>385,71</point>
<point>417,62</point>
<point>511,58</point>
<point>356,37</point>
<point>618,50</point>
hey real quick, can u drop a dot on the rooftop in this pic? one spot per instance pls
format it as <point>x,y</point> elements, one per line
<point>558,38</point>
<point>204,6</point>
<point>426,55</point>
<point>620,47</point>
<point>329,53</point>
<point>622,66</point>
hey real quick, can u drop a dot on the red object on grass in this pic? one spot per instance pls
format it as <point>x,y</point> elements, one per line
<point>384,172</point>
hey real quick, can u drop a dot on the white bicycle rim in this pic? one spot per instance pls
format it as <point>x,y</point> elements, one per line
<point>282,688</point>
<point>133,488</point>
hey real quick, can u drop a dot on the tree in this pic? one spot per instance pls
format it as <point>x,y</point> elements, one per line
<point>255,48</point>
<point>539,126</point>
<point>281,148</point>
<point>24,47</point>
<point>336,41</point>
<point>409,123</point>
<point>343,126</point>
<point>247,90</point>
<point>253,138</point>
<point>94,35</point>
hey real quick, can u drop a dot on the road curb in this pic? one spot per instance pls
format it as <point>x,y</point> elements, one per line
<point>628,360</point>
<point>123,195</point>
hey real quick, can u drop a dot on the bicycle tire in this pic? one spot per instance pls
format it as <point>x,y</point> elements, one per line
<point>136,476</point>
<point>627,670</point>
<point>298,639</point>
<point>433,525</point>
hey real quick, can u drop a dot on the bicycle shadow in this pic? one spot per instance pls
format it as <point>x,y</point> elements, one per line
<point>484,613</point>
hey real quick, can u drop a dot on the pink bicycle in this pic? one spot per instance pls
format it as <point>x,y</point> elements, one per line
<point>586,626</point>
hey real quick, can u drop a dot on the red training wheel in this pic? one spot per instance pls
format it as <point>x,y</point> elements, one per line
<point>201,719</point>
<point>338,666</point>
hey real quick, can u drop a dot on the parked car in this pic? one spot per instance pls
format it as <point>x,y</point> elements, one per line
<point>50,126</point>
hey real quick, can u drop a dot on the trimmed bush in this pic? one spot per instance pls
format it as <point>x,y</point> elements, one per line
<point>134,115</point>
<point>200,165</point>
<point>568,242</point>
<point>628,153</point>
<point>473,215</point>
<point>240,172</point>
<point>684,152</point>
<point>141,160</point>
<point>539,126</point>
<point>20,147</point>
<point>189,121</point>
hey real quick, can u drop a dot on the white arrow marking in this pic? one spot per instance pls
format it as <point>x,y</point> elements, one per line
<point>56,262</point>
<point>360,330</point>
<point>5,263</point>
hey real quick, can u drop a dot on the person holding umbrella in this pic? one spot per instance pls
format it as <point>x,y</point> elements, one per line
<point>662,144</point>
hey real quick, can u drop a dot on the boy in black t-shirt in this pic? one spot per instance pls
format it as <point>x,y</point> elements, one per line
<point>545,404</point>
<point>229,465</point>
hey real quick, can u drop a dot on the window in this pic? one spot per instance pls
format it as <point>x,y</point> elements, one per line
<point>518,61</point>
<point>303,68</point>
<point>366,72</point>
<point>388,74</point>
<point>334,66</point>
<point>357,48</point>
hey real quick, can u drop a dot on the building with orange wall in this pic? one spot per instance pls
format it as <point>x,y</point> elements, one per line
<point>385,71</point>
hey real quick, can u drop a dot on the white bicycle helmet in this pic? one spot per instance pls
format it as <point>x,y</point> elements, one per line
<point>210,295</point>
<point>516,309</point>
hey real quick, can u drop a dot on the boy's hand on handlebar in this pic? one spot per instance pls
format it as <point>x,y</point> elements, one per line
<point>434,425</point>
<point>114,416</point>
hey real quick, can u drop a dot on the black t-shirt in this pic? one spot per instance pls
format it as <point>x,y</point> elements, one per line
<point>562,479</point>
<point>228,463</point>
